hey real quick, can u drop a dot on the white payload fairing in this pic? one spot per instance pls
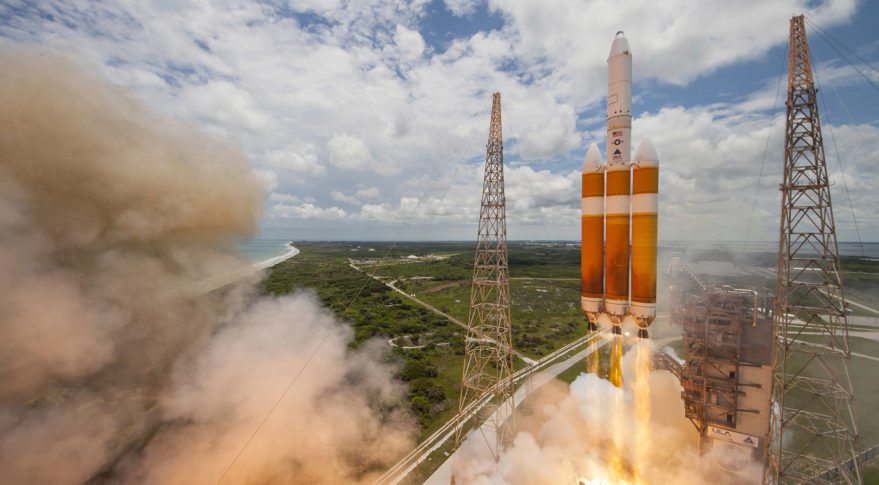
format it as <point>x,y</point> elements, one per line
<point>619,211</point>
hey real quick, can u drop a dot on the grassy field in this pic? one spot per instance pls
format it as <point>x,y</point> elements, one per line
<point>871,472</point>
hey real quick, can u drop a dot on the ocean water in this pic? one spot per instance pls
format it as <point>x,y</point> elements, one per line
<point>259,249</point>
<point>866,249</point>
<point>256,250</point>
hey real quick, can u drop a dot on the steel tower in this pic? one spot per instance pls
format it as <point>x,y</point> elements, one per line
<point>813,434</point>
<point>488,367</point>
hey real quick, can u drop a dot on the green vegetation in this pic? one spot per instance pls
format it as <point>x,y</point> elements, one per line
<point>427,348</point>
<point>861,279</point>
<point>871,472</point>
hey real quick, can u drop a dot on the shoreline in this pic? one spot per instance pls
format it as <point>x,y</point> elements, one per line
<point>268,263</point>
<point>220,281</point>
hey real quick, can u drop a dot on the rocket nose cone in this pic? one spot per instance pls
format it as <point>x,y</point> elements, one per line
<point>593,159</point>
<point>620,45</point>
<point>646,152</point>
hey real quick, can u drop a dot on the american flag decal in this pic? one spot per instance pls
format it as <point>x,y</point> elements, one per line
<point>617,133</point>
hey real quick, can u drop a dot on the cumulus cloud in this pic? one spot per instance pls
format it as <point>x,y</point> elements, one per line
<point>534,196</point>
<point>349,152</point>
<point>409,41</point>
<point>285,198</point>
<point>461,8</point>
<point>294,161</point>
<point>710,169</point>
<point>225,106</point>
<point>307,210</point>
<point>371,194</point>
<point>340,197</point>
<point>674,43</point>
<point>116,367</point>
<point>352,91</point>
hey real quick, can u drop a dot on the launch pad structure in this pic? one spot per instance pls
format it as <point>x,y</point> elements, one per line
<point>813,431</point>
<point>772,382</point>
<point>488,357</point>
<point>726,379</point>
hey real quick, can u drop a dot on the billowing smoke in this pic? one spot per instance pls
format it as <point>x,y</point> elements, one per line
<point>590,431</point>
<point>327,430</point>
<point>114,366</point>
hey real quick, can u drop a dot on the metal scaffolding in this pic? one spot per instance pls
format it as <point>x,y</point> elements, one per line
<point>488,367</point>
<point>726,333</point>
<point>813,433</point>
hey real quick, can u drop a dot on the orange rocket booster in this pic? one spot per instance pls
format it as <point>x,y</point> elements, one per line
<point>592,236</point>
<point>645,202</point>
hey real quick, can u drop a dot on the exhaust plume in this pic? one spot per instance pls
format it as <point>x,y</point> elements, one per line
<point>595,432</point>
<point>113,366</point>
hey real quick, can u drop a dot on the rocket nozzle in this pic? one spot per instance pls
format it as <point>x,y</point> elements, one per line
<point>592,317</point>
<point>642,333</point>
<point>643,322</point>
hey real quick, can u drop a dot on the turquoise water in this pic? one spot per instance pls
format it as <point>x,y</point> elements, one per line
<point>256,250</point>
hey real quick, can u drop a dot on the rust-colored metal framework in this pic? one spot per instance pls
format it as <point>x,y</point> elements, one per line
<point>813,433</point>
<point>714,335</point>
<point>488,359</point>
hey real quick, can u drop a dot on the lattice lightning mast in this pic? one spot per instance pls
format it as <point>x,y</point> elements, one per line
<point>813,434</point>
<point>488,367</point>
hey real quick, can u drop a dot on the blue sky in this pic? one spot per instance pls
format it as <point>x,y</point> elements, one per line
<point>367,119</point>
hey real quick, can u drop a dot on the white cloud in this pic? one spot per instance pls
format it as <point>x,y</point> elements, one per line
<point>224,105</point>
<point>371,194</point>
<point>675,42</point>
<point>461,8</point>
<point>557,134</point>
<point>409,41</point>
<point>349,152</point>
<point>340,197</point>
<point>294,161</point>
<point>377,212</point>
<point>326,101</point>
<point>306,211</point>
<point>710,164</point>
<point>313,5</point>
<point>284,198</point>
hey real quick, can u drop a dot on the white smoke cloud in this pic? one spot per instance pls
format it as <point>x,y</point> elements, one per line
<point>574,433</point>
<point>324,431</point>
<point>114,367</point>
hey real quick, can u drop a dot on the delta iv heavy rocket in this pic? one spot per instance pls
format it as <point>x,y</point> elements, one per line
<point>620,201</point>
